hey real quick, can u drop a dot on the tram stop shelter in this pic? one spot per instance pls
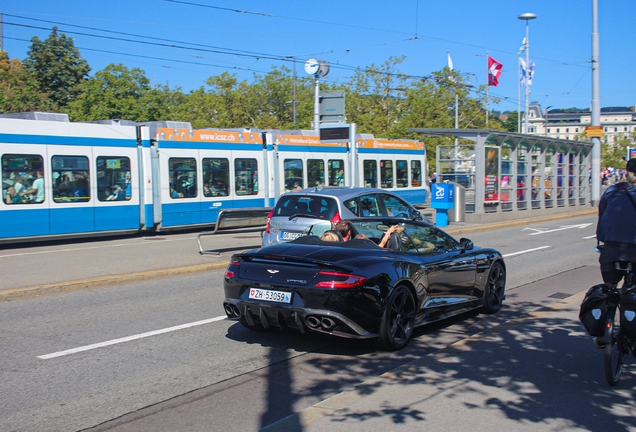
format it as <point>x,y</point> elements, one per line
<point>513,176</point>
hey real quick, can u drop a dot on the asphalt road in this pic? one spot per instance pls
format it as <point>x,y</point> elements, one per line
<point>158,355</point>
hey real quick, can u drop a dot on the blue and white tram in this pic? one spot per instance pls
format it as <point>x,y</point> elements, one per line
<point>204,171</point>
<point>85,179</point>
<point>298,160</point>
<point>61,178</point>
<point>396,165</point>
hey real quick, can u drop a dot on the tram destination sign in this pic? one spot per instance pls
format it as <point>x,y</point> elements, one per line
<point>332,133</point>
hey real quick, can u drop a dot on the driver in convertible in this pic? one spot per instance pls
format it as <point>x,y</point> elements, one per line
<point>344,227</point>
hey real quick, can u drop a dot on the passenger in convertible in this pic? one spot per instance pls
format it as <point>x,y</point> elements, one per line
<point>330,236</point>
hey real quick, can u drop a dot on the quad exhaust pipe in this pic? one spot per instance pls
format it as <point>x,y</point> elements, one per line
<point>324,323</point>
<point>313,322</point>
<point>232,311</point>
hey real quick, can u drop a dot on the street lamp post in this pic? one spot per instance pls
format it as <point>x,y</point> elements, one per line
<point>527,17</point>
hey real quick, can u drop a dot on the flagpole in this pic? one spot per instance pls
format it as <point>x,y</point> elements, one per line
<point>487,88</point>
<point>519,92</point>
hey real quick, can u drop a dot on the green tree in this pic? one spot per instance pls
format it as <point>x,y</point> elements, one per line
<point>57,66</point>
<point>613,154</point>
<point>377,101</point>
<point>511,124</point>
<point>18,89</point>
<point>117,92</point>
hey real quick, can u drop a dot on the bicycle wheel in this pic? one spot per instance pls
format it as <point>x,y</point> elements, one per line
<point>614,351</point>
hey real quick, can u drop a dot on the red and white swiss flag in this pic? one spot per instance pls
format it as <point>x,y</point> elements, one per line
<point>494,71</point>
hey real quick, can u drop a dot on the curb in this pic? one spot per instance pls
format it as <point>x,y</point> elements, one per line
<point>108,280</point>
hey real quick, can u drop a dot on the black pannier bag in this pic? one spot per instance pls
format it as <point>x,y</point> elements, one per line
<point>593,311</point>
<point>628,314</point>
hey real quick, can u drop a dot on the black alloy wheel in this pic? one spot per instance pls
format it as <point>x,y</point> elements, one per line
<point>398,321</point>
<point>495,289</point>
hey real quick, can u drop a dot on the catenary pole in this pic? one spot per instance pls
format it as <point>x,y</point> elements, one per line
<point>596,109</point>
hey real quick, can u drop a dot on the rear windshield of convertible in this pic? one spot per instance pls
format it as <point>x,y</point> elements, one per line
<point>321,207</point>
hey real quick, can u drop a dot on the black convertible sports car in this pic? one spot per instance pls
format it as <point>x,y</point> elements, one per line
<point>356,289</point>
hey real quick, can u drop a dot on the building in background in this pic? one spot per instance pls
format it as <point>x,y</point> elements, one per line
<point>617,122</point>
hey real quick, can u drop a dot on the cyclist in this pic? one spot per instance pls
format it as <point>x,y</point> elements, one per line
<point>616,226</point>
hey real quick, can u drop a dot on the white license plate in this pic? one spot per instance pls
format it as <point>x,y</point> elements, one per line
<point>269,295</point>
<point>286,235</point>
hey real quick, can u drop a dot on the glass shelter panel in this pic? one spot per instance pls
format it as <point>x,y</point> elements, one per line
<point>491,175</point>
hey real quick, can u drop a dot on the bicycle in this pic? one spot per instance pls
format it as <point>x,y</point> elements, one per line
<point>617,342</point>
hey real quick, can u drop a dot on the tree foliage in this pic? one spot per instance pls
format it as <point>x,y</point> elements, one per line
<point>381,100</point>
<point>512,122</point>
<point>613,154</point>
<point>117,92</point>
<point>18,89</point>
<point>57,66</point>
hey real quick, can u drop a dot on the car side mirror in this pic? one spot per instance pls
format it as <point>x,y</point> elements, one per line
<point>465,244</point>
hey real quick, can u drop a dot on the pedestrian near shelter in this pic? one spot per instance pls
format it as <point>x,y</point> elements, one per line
<point>511,176</point>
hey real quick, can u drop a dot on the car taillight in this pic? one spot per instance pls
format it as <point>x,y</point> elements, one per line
<point>341,280</point>
<point>232,270</point>
<point>269,217</point>
<point>336,218</point>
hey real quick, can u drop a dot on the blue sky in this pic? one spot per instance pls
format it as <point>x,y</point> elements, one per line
<point>255,35</point>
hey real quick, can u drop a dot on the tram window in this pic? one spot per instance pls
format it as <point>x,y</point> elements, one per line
<point>21,174</point>
<point>315,172</point>
<point>416,173</point>
<point>386,174</point>
<point>402,172</point>
<point>336,172</point>
<point>113,178</point>
<point>370,206</point>
<point>293,174</point>
<point>216,177</point>
<point>71,179</point>
<point>370,168</point>
<point>246,176</point>
<point>183,177</point>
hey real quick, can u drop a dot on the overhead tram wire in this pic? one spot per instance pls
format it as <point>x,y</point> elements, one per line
<point>214,51</point>
<point>284,17</point>
<point>262,55</point>
<point>256,55</point>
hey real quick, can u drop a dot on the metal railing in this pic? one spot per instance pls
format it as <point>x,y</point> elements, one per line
<point>237,220</point>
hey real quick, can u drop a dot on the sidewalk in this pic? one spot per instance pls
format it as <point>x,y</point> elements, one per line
<point>537,372</point>
<point>177,254</point>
